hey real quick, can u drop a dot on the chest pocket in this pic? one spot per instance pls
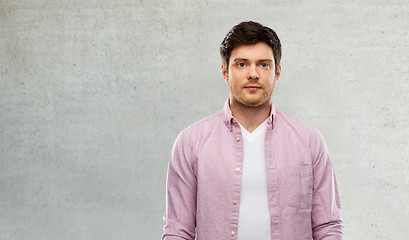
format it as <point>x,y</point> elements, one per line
<point>296,187</point>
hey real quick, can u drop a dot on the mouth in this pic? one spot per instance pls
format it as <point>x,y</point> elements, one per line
<point>252,87</point>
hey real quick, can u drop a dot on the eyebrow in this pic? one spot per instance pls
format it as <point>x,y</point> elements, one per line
<point>245,59</point>
<point>240,59</point>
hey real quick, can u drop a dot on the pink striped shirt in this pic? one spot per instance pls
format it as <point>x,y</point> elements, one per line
<point>205,173</point>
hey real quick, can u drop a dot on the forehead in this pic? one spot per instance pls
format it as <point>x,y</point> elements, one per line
<point>256,51</point>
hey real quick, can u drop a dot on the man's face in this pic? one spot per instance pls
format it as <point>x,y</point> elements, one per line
<point>251,75</point>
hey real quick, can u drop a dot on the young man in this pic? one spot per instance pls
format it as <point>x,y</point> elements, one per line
<point>251,172</point>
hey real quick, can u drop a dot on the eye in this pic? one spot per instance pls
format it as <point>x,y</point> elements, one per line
<point>265,65</point>
<point>241,64</point>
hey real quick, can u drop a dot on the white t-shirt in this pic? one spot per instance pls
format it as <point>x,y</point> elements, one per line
<point>254,216</point>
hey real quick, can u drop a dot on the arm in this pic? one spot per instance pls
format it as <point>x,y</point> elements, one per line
<point>326,208</point>
<point>180,216</point>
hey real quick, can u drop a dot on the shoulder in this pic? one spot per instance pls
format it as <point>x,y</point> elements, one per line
<point>294,124</point>
<point>191,138</point>
<point>205,123</point>
<point>200,128</point>
<point>300,132</point>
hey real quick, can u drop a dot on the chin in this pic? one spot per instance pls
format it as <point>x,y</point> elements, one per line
<point>250,101</point>
<point>254,103</point>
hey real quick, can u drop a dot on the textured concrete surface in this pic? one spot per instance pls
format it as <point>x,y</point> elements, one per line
<point>93,94</point>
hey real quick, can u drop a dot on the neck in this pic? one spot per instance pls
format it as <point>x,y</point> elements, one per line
<point>250,117</point>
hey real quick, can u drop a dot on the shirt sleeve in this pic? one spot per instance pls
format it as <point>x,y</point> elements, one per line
<point>180,216</point>
<point>326,208</point>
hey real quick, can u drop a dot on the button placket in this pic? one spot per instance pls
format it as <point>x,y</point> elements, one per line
<point>236,137</point>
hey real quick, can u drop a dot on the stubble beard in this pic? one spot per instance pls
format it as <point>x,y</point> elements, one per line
<point>253,104</point>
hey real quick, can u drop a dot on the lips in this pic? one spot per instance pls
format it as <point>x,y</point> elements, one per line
<point>252,87</point>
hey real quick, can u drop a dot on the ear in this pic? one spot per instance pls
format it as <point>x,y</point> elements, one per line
<point>278,73</point>
<point>224,72</point>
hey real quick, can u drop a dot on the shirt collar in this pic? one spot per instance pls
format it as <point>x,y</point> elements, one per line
<point>228,116</point>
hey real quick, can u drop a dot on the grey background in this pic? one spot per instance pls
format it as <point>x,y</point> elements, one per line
<point>93,94</point>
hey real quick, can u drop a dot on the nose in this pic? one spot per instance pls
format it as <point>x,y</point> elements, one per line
<point>253,74</point>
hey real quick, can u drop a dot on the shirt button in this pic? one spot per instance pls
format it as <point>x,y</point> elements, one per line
<point>232,233</point>
<point>238,139</point>
<point>272,198</point>
<point>237,169</point>
<point>234,202</point>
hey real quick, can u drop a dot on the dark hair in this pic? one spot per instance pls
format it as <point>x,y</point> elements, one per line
<point>248,33</point>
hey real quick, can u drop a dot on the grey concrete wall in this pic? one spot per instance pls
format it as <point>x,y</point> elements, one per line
<point>93,94</point>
